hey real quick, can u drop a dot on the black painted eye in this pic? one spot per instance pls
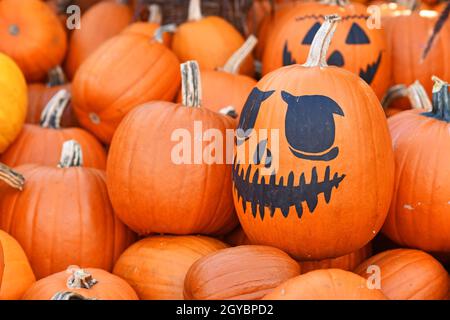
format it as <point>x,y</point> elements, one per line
<point>308,39</point>
<point>357,35</point>
<point>309,126</point>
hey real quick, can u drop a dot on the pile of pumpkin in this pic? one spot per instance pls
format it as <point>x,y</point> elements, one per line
<point>92,205</point>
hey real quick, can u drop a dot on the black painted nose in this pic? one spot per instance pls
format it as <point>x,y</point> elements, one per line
<point>336,59</point>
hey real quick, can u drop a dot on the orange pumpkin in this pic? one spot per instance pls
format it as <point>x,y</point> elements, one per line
<point>156,266</point>
<point>407,274</point>
<point>208,40</point>
<point>326,284</point>
<point>100,23</point>
<point>103,95</point>
<point>237,237</point>
<point>356,47</point>
<point>2,264</point>
<point>17,274</point>
<point>419,213</point>
<point>63,214</point>
<point>306,136</point>
<point>42,144</point>
<point>37,41</point>
<point>81,284</point>
<point>39,94</point>
<point>239,273</point>
<point>348,262</point>
<point>174,192</point>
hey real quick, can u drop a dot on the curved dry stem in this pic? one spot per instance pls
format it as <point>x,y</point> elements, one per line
<point>191,86</point>
<point>71,155</point>
<point>11,177</point>
<point>235,61</point>
<point>56,77</point>
<point>195,10</point>
<point>53,111</point>
<point>69,295</point>
<point>229,111</point>
<point>418,97</point>
<point>393,93</point>
<point>154,14</point>
<point>81,279</point>
<point>159,33</point>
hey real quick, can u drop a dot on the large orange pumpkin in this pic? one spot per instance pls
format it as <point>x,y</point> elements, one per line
<point>98,24</point>
<point>81,284</point>
<point>39,94</point>
<point>32,35</point>
<point>407,274</point>
<point>208,40</point>
<point>356,46</point>
<point>17,274</point>
<point>326,284</point>
<point>156,266</point>
<point>42,144</point>
<point>419,213</point>
<point>156,182</point>
<point>313,171</point>
<point>64,215</point>
<point>115,79</point>
<point>239,273</point>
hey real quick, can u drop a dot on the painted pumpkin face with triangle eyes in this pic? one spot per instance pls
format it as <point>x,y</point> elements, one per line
<point>313,162</point>
<point>356,47</point>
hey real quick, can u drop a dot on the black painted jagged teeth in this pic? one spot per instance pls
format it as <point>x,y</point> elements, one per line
<point>261,195</point>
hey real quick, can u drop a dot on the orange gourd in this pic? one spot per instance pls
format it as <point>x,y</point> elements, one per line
<point>239,273</point>
<point>156,266</point>
<point>306,137</point>
<point>63,214</point>
<point>37,41</point>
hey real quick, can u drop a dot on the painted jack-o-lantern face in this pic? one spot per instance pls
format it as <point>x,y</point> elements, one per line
<point>320,187</point>
<point>356,47</point>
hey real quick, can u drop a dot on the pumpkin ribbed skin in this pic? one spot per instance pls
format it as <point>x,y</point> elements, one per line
<point>63,214</point>
<point>2,264</point>
<point>42,146</point>
<point>13,101</point>
<point>37,41</point>
<point>419,213</point>
<point>408,274</point>
<point>152,193</point>
<point>348,262</point>
<point>239,273</point>
<point>100,23</point>
<point>108,287</point>
<point>326,284</point>
<point>156,266</point>
<point>103,95</point>
<point>17,273</point>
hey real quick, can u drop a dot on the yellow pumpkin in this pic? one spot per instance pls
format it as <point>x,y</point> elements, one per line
<point>13,101</point>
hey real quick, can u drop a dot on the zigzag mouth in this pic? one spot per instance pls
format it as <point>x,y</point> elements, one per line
<point>279,195</point>
<point>371,70</point>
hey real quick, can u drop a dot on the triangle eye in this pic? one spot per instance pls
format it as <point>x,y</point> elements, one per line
<point>357,35</point>
<point>308,39</point>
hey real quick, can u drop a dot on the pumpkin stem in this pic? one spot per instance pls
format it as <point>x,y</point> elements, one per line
<point>159,33</point>
<point>11,177</point>
<point>71,155</point>
<point>321,42</point>
<point>195,10</point>
<point>393,93</point>
<point>191,86</point>
<point>56,77</point>
<point>154,14</point>
<point>441,100</point>
<point>53,111</point>
<point>235,61</point>
<point>80,279</point>
<point>418,97</point>
<point>69,295</point>
<point>340,3</point>
<point>229,111</point>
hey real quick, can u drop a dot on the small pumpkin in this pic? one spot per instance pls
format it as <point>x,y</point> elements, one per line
<point>81,284</point>
<point>42,144</point>
<point>115,79</point>
<point>39,95</point>
<point>172,191</point>
<point>356,47</point>
<point>37,41</point>
<point>326,284</point>
<point>13,101</point>
<point>17,273</point>
<point>63,213</point>
<point>306,136</point>
<point>407,274</point>
<point>99,23</point>
<point>156,266</point>
<point>208,40</point>
<point>239,273</point>
<point>419,212</point>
